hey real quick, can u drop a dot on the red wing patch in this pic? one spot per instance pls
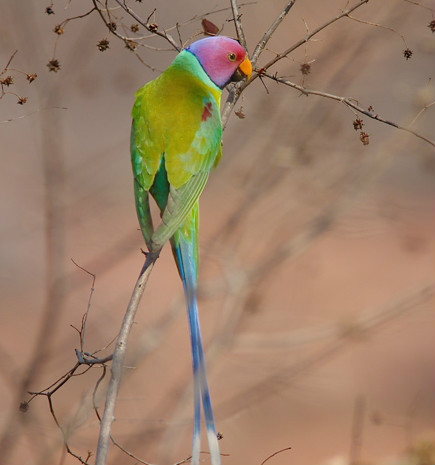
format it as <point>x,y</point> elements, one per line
<point>206,112</point>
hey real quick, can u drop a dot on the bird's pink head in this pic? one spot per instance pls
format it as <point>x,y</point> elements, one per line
<point>222,58</point>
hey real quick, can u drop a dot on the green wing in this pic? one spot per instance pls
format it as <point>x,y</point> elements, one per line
<point>180,204</point>
<point>175,141</point>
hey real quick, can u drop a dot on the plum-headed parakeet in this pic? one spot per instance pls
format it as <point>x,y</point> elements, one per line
<point>175,141</point>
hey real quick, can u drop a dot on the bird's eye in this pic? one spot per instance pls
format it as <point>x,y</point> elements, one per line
<point>231,56</point>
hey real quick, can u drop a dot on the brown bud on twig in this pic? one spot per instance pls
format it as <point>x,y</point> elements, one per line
<point>305,69</point>
<point>53,65</point>
<point>22,100</point>
<point>131,45</point>
<point>49,10</point>
<point>431,25</point>
<point>58,29</point>
<point>7,81</point>
<point>24,406</point>
<point>152,27</point>
<point>364,138</point>
<point>407,53</point>
<point>103,45</point>
<point>31,77</point>
<point>358,124</point>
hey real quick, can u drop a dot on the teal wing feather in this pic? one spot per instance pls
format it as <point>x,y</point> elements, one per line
<point>141,194</point>
<point>180,204</point>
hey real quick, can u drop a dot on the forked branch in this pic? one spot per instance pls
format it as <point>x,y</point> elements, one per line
<point>237,90</point>
<point>118,359</point>
<point>238,24</point>
<point>268,34</point>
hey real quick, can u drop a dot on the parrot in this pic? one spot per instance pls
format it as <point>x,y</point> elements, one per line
<point>176,138</point>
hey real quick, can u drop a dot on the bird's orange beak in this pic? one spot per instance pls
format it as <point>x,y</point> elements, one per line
<point>246,67</point>
<point>244,70</point>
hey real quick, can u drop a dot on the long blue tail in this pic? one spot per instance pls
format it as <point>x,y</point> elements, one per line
<point>185,252</point>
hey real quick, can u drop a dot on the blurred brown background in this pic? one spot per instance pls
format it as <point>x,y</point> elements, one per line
<point>317,273</point>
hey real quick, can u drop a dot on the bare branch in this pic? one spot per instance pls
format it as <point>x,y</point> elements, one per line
<point>48,391</point>
<point>369,23</point>
<point>420,113</point>
<point>237,90</point>
<point>126,39</point>
<point>118,359</point>
<point>85,316</point>
<point>238,24</point>
<point>130,454</point>
<point>232,98</point>
<point>93,360</point>
<point>413,2</point>
<point>268,34</point>
<point>157,32</point>
<point>8,81</point>
<point>204,15</point>
<point>116,443</point>
<point>349,103</point>
<point>275,453</point>
<point>53,414</point>
<point>66,21</point>
<point>9,62</point>
<point>344,14</point>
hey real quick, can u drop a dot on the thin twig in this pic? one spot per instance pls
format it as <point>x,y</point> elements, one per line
<point>67,448</point>
<point>349,103</point>
<point>232,98</point>
<point>413,2</point>
<point>48,393</point>
<point>94,403</point>
<point>127,452</point>
<point>369,23</point>
<point>238,24</point>
<point>118,359</point>
<point>9,62</point>
<point>58,384</point>
<point>420,113</point>
<point>85,316</point>
<point>304,40</point>
<point>268,34</point>
<point>9,120</point>
<point>275,453</point>
<point>67,20</point>
<point>237,90</point>
<point>163,34</point>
